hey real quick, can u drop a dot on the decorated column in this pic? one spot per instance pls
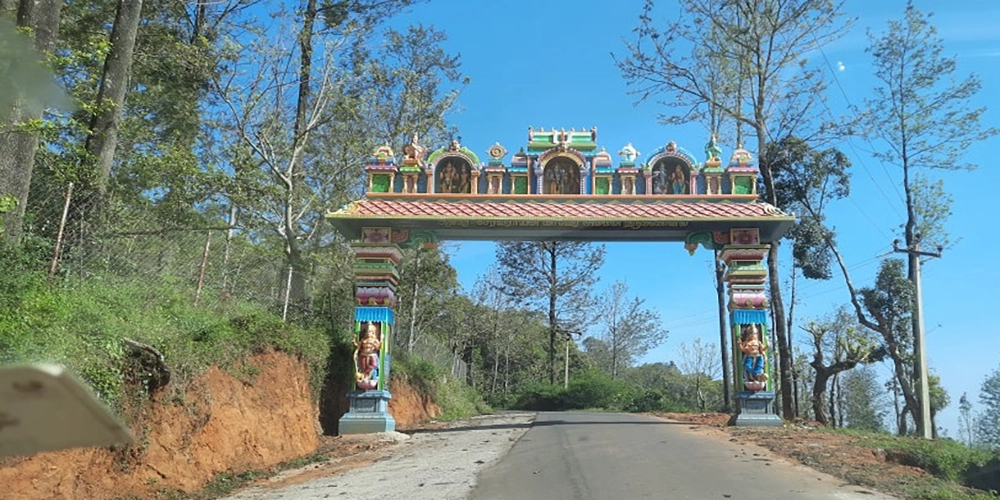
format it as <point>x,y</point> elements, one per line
<point>375,298</point>
<point>748,314</point>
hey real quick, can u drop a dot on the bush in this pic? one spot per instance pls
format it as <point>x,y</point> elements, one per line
<point>946,459</point>
<point>542,397</point>
<point>456,398</point>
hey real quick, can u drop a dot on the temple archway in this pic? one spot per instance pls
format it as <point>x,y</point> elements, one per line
<point>521,201</point>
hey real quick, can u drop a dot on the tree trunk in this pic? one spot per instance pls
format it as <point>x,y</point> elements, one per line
<point>553,280</point>
<point>777,305</point>
<point>18,158</point>
<point>291,236</point>
<point>720,290</point>
<point>819,397</point>
<point>103,138</point>
<point>411,335</point>
<point>833,401</point>
<point>791,342</point>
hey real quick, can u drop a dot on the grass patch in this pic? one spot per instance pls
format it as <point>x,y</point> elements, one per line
<point>84,325</point>
<point>957,471</point>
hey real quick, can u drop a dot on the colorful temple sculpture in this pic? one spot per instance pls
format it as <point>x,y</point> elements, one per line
<point>559,186</point>
<point>557,162</point>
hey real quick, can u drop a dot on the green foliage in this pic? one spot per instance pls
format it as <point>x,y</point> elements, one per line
<point>83,326</point>
<point>594,389</point>
<point>946,459</point>
<point>987,422</point>
<point>456,398</point>
<point>459,400</point>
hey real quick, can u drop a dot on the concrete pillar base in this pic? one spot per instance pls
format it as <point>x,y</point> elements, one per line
<point>754,410</point>
<point>369,413</point>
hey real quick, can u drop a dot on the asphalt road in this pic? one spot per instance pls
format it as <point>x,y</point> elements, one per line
<point>609,456</point>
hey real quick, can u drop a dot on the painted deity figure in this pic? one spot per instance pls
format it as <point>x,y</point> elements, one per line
<point>712,150</point>
<point>447,178</point>
<point>413,152</point>
<point>660,180</point>
<point>753,350</point>
<point>677,181</point>
<point>366,351</point>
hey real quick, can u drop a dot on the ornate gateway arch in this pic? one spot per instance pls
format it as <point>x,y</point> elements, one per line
<point>558,187</point>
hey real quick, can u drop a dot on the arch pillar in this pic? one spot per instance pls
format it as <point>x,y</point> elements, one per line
<point>377,259</point>
<point>748,318</point>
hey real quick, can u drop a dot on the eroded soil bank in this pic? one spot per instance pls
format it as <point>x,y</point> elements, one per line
<point>220,423</point>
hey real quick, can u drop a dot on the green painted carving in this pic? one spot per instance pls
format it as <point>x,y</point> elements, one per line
<point>602,185</point>
<point>380,183</point>
<point>703,238</point>
<point>743,185</point>
<point>420,237</point>
<point>436,155</point>
<point>521,185</point>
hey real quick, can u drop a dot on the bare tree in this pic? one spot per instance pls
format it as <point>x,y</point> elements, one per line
<point>698,363</point>
<point>923,116</point>
<point>630,329</point>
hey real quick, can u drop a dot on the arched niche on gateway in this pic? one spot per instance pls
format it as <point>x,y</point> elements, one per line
<point>453,174</point>
<point>670,172</point>
<point>454,170</point>
<point>561,172</point>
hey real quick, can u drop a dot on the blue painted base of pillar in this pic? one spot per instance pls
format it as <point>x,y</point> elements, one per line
<point>754,410</point>
<point>369,413</point>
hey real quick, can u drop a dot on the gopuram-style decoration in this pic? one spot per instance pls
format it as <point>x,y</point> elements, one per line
<point>382,171</point>
<point>495,169</point>
<point>604,173</point>
<point>671,170</point>
<point>561,186</point>
<point>742,172</point>
<point>627,170</point>
<point>712,171</point>
<point>453,169</point>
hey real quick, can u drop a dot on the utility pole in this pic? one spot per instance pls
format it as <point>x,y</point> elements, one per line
<point>919,342</point>
<point>569,339</point>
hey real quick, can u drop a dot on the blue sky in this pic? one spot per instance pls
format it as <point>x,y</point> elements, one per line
<point>544,64</point>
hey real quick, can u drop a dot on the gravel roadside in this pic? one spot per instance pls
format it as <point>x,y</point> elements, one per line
<point>438,464</point>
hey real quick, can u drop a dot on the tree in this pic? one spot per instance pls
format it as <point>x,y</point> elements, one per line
<point>939,400</point>
<point>553,276</point>
<point>285,176</point>
<point>698,364</point>
<point>923,115</point>
<point>630,330</point>
<point>889,303</point>
<point>426,282</point>
<point>29,90</point>
<point>103,137</point>
<point>988,420</point>
<point>863,406</point>
<point>966,428</point>
<point>769,39</point>
<point>839,344</point>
